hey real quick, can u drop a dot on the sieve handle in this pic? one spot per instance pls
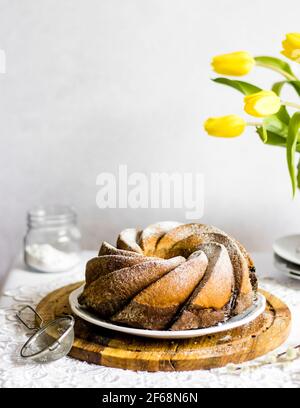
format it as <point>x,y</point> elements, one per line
<point>37,318</point>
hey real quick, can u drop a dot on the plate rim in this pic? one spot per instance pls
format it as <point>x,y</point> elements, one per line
<point>284,267</point>
<point>166,334</point>
<point>282,254</point>
<point>287,272</point>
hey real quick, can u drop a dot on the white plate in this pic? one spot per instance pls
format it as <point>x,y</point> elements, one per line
<point>288,248</point>
<point>287,268</point>
<point>248,316</point>
<point>291,275</point>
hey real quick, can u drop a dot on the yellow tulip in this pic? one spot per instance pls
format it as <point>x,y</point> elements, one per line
<point>225,126</point>
<point>262,104</point>
<point>291,47</point>
<point>235,64</point>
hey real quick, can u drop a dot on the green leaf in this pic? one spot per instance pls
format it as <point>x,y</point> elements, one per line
<point>264,133</point>
<point>276,64</point>
<point>298,174</point>
<point>283,115</point>
<point>275,125</point>
<point>272,138</point>
<point>244,87</point>
<point>291,146</point>
<point>277,87</point>
<point>295,85</point>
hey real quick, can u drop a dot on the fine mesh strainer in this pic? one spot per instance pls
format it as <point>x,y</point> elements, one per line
<point>50,341</point>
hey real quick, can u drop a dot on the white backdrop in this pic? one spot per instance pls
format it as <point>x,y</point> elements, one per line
<point>91,84</point>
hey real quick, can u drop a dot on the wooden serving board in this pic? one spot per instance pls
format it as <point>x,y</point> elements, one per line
<point>104,347</point>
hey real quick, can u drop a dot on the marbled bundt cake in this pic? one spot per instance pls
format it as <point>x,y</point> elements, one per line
<point>170,276</point>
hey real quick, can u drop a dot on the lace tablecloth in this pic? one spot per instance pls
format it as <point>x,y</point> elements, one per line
<point>25,287</point>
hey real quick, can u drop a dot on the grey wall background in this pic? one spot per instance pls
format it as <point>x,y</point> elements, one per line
<point>95,83</point>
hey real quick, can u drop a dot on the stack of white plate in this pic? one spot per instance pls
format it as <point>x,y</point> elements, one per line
<point>287,255</point>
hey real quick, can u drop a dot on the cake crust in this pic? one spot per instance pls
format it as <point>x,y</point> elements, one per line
<point>103,265</point>
<point>155,307</point>
<point>170,276</point>
<point>108,294</point>
<point>210,302</point>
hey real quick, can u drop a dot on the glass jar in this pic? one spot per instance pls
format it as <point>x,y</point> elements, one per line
<point>52,241</point>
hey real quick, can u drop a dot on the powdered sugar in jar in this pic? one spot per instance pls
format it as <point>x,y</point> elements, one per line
<point>52,242</point>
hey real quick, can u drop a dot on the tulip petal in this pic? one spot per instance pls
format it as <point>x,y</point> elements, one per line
<point>225,126</point>
<point>262,104</point>
<point>236,64</point>
<point>291,46</point>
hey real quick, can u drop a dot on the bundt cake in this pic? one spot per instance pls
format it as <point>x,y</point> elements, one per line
<point>170,276</point>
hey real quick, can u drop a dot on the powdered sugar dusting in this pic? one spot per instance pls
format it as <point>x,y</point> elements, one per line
<point>130,237</point>
<point>159,228</point>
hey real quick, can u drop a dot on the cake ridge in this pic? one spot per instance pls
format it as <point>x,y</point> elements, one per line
<point>214,292</point>
<point>150,310</point>
<point>107,294</point>
<point>120,277</point>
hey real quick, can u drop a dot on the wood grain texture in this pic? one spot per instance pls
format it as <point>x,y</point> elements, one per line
<point>104,347</point>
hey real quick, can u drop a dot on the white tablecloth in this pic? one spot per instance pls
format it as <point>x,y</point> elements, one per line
<point>23,286</point>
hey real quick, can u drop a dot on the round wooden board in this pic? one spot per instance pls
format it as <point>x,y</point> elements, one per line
<point>104,347</point>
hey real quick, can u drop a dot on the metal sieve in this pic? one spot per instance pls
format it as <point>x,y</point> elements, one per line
<point>50,341</point>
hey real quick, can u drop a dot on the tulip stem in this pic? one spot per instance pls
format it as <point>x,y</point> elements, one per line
<point>288,76</point>
<point>291,104</point>
<point>255,124</point>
